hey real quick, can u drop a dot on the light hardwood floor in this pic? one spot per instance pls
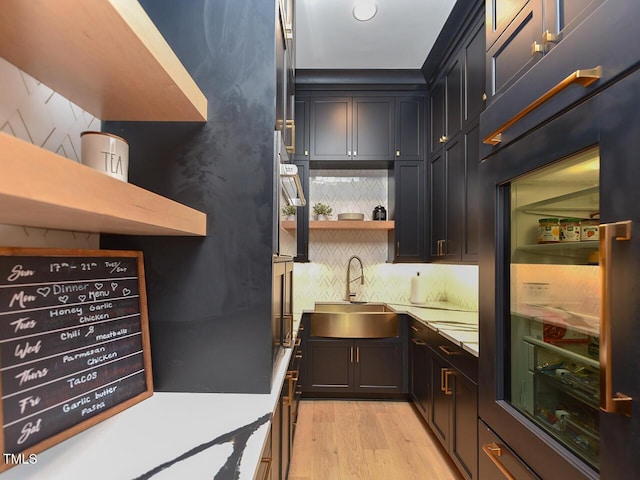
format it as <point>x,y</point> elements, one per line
<point>365,440</point>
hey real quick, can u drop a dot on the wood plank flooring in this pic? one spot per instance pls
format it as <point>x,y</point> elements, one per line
<point>366,440</point>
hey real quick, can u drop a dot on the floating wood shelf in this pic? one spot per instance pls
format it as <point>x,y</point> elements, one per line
<point>41,189</point>
<point>106,56</point>
<point>344,225</point>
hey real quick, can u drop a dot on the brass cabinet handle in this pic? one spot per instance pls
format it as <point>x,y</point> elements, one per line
<point>306,153</point>
<point>397,153</point>
<point>292,125</point>
<point>414,328</point>
<point>548,37</point>
<point>351,354</point>
<point>536,48</point>
<point>418,342</point>
<point>267,471</point>
<point>618,403</point>
<point>442,370</point>
<point>355,154</point>
<point>299,354</point>
<point>357,354</point>
<point>443,139</point>
<point>447,373</point>
<point>298,342</point>
<point>583,77</point>
<point>448,350</point>
<point>493,451</point>
<point>288,342</point>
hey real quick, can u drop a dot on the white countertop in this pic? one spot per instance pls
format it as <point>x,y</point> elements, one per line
<point>166,437</point>
<point>458,326</point>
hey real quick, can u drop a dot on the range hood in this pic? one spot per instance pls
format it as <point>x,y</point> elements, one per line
<point>291,186</point>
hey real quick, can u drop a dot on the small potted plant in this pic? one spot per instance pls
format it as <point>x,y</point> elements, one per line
<point>289,212</point>
<point>322,211</point>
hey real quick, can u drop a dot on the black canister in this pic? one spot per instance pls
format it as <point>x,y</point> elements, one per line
<point>379,213</point>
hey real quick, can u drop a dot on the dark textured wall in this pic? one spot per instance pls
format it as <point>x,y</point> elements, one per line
<point>210,298</point>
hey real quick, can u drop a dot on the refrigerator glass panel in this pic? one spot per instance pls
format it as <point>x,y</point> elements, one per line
<point>555,301</point>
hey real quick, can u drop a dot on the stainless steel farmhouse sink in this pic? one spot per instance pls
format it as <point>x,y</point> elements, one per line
<point>354,320</point>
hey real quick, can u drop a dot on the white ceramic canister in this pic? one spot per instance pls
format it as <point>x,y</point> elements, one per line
<point>106,153</point>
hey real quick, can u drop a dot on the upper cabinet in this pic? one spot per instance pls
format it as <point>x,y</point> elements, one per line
<point>543,56</point>
<point>456,102</point>
<point>106,57</point>
<point>109,59</point>
<point>410,128</point>
<point>351,129</point>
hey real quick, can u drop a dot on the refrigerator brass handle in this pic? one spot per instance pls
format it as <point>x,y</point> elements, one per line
<point>610,403</point>
<point>418,342</point>
<point>447,373</point>
<point>493,451</point>
<point>583,77</point>
<point>448,350</point>
<point>291,125</point>
<point>267,471</point>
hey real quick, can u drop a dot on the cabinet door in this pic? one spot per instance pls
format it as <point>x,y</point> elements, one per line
<point>563,16</point>
<point>474,69</point>
<point>441,387</point>
<point>409,211</point>
<point>410,128</point>
<point>464,429</point>
<point>420,375</point>
<point>500,14</point>
<point>301,137</point>
<point>378,366</point>
<point>517,49</point>
<point>446,182</point>
<point>495,457</point>
<point>329,365</point>
<point>373,128</point>
<point>453,98</point>
<point>330,128</point>
<point>436,115</point>
<point>302,215</point>
<point>281,74</point>
<point>471,212</point>
<point>437,204</point>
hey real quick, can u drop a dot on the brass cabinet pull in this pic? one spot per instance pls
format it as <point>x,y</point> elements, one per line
<point>267,471</point>
<point>299,354</point>
<point>618,403</point>
<point>291,125</point>
<point>583,77</point>
<point>443,380</point>
<point>306,153</point>
<point>288,342</point>
<point>355,154</point>
<point>357,354</point>
<point>447,373</point>
<point>548,37</point>
<point>493,451</point>
<point>418,342</point>
<point>448,350</point>
<point>351,354</point>
<point>536,48</point>
<point>414,328</point>
<point>397,153</point>
<point>298,342</point>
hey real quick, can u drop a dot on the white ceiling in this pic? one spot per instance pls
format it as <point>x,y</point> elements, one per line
<point>400,36</point>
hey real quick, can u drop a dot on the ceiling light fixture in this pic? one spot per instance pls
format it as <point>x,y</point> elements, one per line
<point>365,10</point>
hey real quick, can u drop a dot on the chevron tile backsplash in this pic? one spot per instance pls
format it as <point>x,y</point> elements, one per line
<point>36,114</point>
<point>324,279</point>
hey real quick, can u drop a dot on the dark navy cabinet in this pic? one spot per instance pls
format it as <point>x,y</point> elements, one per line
<point>407,198</point>
<point>410,128</point>
<point>351,129</point>
<point>456,100</point>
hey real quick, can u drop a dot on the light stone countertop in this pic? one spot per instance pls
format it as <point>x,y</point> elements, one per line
<point>458,326</point>
<point>168,436</point>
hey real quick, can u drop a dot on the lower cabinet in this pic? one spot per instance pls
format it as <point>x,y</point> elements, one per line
<point>278,449</point>
<point>358,366</point>
<point>497,460</point>
<point>444,390</point>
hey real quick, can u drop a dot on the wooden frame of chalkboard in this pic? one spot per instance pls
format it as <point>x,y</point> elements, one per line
<point>74,344</point>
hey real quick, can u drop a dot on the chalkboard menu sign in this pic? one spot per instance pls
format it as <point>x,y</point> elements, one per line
<point>74,342</point>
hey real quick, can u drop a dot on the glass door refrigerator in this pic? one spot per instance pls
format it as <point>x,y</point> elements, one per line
<point>560,295</point>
